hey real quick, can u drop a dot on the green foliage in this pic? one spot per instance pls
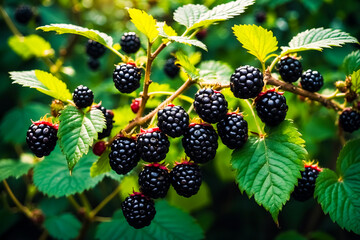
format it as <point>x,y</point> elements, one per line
<point>188,41</point>
<point>30,46</point>
<point>64,226</point>
<point>355,81</point>
<point>12,168</point>
<point>293,235</point>
<point>352,62</point>
<point>102,165</point>
<point>269,167</point>
<point>215,72</point>
<point>188,67</point>
<point>144,22</point>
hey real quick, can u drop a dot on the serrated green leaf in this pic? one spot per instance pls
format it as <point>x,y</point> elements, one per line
<point>102,165</point>
<point>169,223</point>
<point>144,22</point>
<point>77,132</point>
<point>355,81</point>
<point>352,62</point>
<point>318,39</point>
<point>165,30</point>
<point>64,226</point>
<point>12,168</point>
<point>215,72</point>
<point>188,41</point>
<point>186,65</point>
<point>29,46</point>
<point>189,14</point>
<point>257,40</point>
<point>268,168</point>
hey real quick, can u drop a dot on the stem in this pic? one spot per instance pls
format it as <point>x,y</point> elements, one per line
<point>123,58</point>
<point>102,204</point>
<point>24,209</point>
<point>85,202</point>
<point>273,63</point>
<point>74,202</point>
<point>182,97</point>
<point>190,109</point>
<point>9,23</point>
<point>254,116</point>
<point>159,49</point>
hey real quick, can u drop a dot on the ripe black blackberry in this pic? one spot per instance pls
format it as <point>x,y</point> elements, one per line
<point>271,107</point>
<point>290,69</point>
<point>83,97</point>
<point>130,42</point>
<point>138,210</point>
<point>260,17</point>
<point>306,185</point>
<point>127,77</point>
<point>124,155</point>
<point>23,14</point>
<point>170,68</point>
<point>153,145</point>
<point>93,63</point>
<point>349,120</point>
<point>109,116</point>
<point>311,80</point>
<point>246,82</point>
<point>200,142</point>
<point>186,178</point>
<point>233,130</point>
<point>173,120</point>
<point>154,180</point>
<point>210,105</point>
<point>41,138</point>
<point>94,49</point>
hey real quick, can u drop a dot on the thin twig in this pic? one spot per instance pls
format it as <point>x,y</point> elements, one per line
<point>22,208</point>
<point>9,23</point>
<point>102,204</point>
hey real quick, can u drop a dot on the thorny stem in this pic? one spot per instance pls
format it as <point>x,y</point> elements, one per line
<point>22,208</point>
<point>254,116</point>
<point>182,97</point>
<point>9,23</point>
<point>102,204</point>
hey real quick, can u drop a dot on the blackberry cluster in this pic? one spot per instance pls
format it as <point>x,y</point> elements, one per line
<point>23,14</point>
<point>290,69</point>
<point>154,180</point>
<point>173,120</point>
<point>349,120</point>
<point>233,130</point>
<point>210,105</point>
<point>109,116</point>
<point>170,68</point>
<point>94,49</point>
<point>311,81</point>
<point>246,82</point>
<point>126,78</point>
<point>83,97</point>
<point>271,108</point>
<point>200,142</point>
<point>153,145</point>
<point>130,42</point>
<point>41,138</point>
<point>186,178</point>
<point>306,185</point>
<point>124,155</point>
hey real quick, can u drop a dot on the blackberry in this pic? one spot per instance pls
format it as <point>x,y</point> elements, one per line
<point>200,142</point>
<point>154,180</point>
<point>173,120</point>
<point>170,68</point>
<point>153,145</point>
<point>306,185</point>
<point>210,105</point>
<point>311,81</point>
<point>186,178</point>
<point>23,14</point>
<point>138,210</point>
<point>130,42</point>
<point>93,63</point>
<point>124,155</point>
<point>271,107</point>
<point>246,82</point>
<point>260,17</point>
<point>290,69</point>
<point>233,130</point>
<point>201,35</point>
<point>94,49</point>
<point>126,78</point>
<point>99,148</point>
<point>83,97</point>
<point>109,116</point>
<point>41,138</point>
<point>349,120</point>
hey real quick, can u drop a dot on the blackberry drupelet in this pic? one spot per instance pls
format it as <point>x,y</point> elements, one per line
<point>127,77</point>
<point>170,68</point>
<point>290,69</point>
<point>271,107</point>
<point>311,81</point>
<point>41,138</point>
<point>349,120</point>
<point>94,49</point>
<point>154,180</point>
<point>130,42</point>
<point>306,185</point>
<point>153,145</point>
<point>109,117</point>
<point>233,130</point>
<point>246,82</point>
<point>93,63</point>
<point>83,97</point>
<point>186,178</point>
<point>173,120</point>
<point>23,14</point>
<point>124,155</point>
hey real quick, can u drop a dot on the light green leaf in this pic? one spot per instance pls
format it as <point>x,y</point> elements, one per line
<point>318,39</point>
<point>257,40</point>
<point>188,41</point>
<point>186,65</point>
<point>269,167</point>
<point>29,46</point>
<point>12,168</point>
<point>64,226</point>
<point>169,223</point>
<point>144,22</point>
<point>189,14</point>
<point>77,132</point>
<point>215,72</point>
<point>102,165</point>
<point>355,81</point>
<point>352,62</point>
<point>165,30</point>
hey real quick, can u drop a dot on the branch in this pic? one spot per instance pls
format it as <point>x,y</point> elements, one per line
<point>22,208</point>
<point>101,205</point>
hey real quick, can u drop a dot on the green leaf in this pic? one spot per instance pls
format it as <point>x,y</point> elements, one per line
<point>269,167</point>
<point>165,30</point>
<point>43,82</point>
<point>188,41</point>
<point>77,132</point>
<point>355,81</point>
<point>352,62</point>
<point>339,193</point>
<point>144,22</point>
<point>102,165</point>
<point>215,72</point>
<point>185,63</point>
<point>52,176</point>
<point>257,40</point>
<point>293,235</point>
<point>189,14</point>
<point>30,46</point>
<point>318,39</point>
<point>169,223</point>
<point>12,168</point>
<point>64,226</point>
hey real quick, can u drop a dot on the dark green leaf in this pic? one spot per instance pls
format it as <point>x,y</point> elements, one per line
<point>64,226</point>
<point>352,62</point>
<point>12,168</point>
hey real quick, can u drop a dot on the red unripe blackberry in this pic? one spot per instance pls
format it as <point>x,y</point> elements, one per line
<point>153,145</point>
<point>93,63</point>
<point>170,68</point>
<point>99,148</point>
<point>109,116</point>
<point>94,49</point>
<point>138,210</point>
<point>311,81</point>
<point>186,178</point>
<point>246,82</point>
<point>135,105</point>
<point>127,77</point>
<point>23,14</point>
<point>210,105</point>
<point>271,107</point>
<point>83,97</point>
<point>173,120</point>
<point>290,69</point>
<point>306,184</point>
<point>124,155</point>
<point>233,130</point>
<point>41,138</point>
<point>154,180</point>
<point>200,142</point>
<point>130,42</point>
<point>349,120</point>
<point>201,35</point>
